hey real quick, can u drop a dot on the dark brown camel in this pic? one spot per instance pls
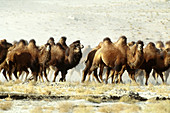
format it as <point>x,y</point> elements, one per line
<point>23,57</point>
<point>4,45</point>
<point>63,59</point>
<point>150,56</point>
<point>44,57</point>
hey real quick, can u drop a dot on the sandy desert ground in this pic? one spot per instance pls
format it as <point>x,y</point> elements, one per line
<point>89,21</point>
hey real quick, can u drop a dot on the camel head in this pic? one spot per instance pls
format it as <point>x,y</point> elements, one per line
<point>62,40</point>
<point>48,47</point>
<point>167,44</point>
<point>160,45</point>
<point>5,44</point>
<point>167,57</point>
<point>75,47</point>
<point>130,44</point>
<point>51,41</point>
<point>140,45</point>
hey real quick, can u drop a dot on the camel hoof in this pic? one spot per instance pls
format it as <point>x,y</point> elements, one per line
<point>61,80</point>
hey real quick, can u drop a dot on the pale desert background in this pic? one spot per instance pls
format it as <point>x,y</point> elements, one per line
<point>86,20</point>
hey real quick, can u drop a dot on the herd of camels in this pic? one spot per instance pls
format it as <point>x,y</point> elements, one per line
<point>115,57</point>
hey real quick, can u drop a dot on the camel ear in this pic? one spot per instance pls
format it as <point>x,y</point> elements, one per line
<point>67,52</point>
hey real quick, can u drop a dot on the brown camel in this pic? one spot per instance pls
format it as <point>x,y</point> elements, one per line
<point>117,55</point>
<point>63,59</point>
<point>4,45</point>
<point>160,46</point>
<point>150,57</point>
<point>44,57</point>
<point>89,62</point>
<point>23,57</point>
<point>110,56</point>
<point>162,62</point>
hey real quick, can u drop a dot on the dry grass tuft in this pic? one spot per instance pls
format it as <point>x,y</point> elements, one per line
<point>37,110</point>
<point>2,89</point>
<point>127,99</point>
<point>51,108</point>
<point>5,105</point>
<point>83,109</point>
<point>94,100</point>
<point>1,82</point>
<point>117,108</point>
<point>17,81</point>
<point>30,90</point>
<point>65,107</point>
<point>159,107</point>
<point>8,98</point>
<point>9,83</point>
<point>105,109</point>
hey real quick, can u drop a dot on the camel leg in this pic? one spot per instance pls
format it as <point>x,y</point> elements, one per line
<point>4,73</point>
<point>115,76</point>
<point>166,75</point>
<point>88,78</point>
<point>45,74</point>
<point>101,72</point>
<point>55,74</point>
<point>15,74</point>
<point>27,72</point>
<point>35,76</point>
<point>95,75</point>
<point>112,72</point>
<point>120,74</point>
<point>85,71</point>
<point>63,74</point>
<point>107,74</point>
<point>161,75</point>
<point>146,77</point>
<point>11,70</point>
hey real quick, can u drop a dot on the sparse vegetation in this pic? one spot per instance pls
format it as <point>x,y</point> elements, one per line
<point>65,107</point>
<point>158,107</point>
<point>127,99</point>
<point>37,110</point>
<point>83,109</point>
<point>5,105</point>
<point>117,108</point>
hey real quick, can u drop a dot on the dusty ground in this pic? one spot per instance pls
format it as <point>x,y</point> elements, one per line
<point>87,97</point>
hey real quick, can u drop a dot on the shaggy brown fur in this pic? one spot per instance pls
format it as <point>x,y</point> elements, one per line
<point>150,56</point>
<point>63,59</point>
<point>110,56</point>
<point>44,57</point>
<point>117,55</point>
<point>62,41</point>
<point>167,44</point>
<point>4,45</point>
<point>162,62</point>
<point>23,57</point>
<point>51,41</point>
<point>160,45</point>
